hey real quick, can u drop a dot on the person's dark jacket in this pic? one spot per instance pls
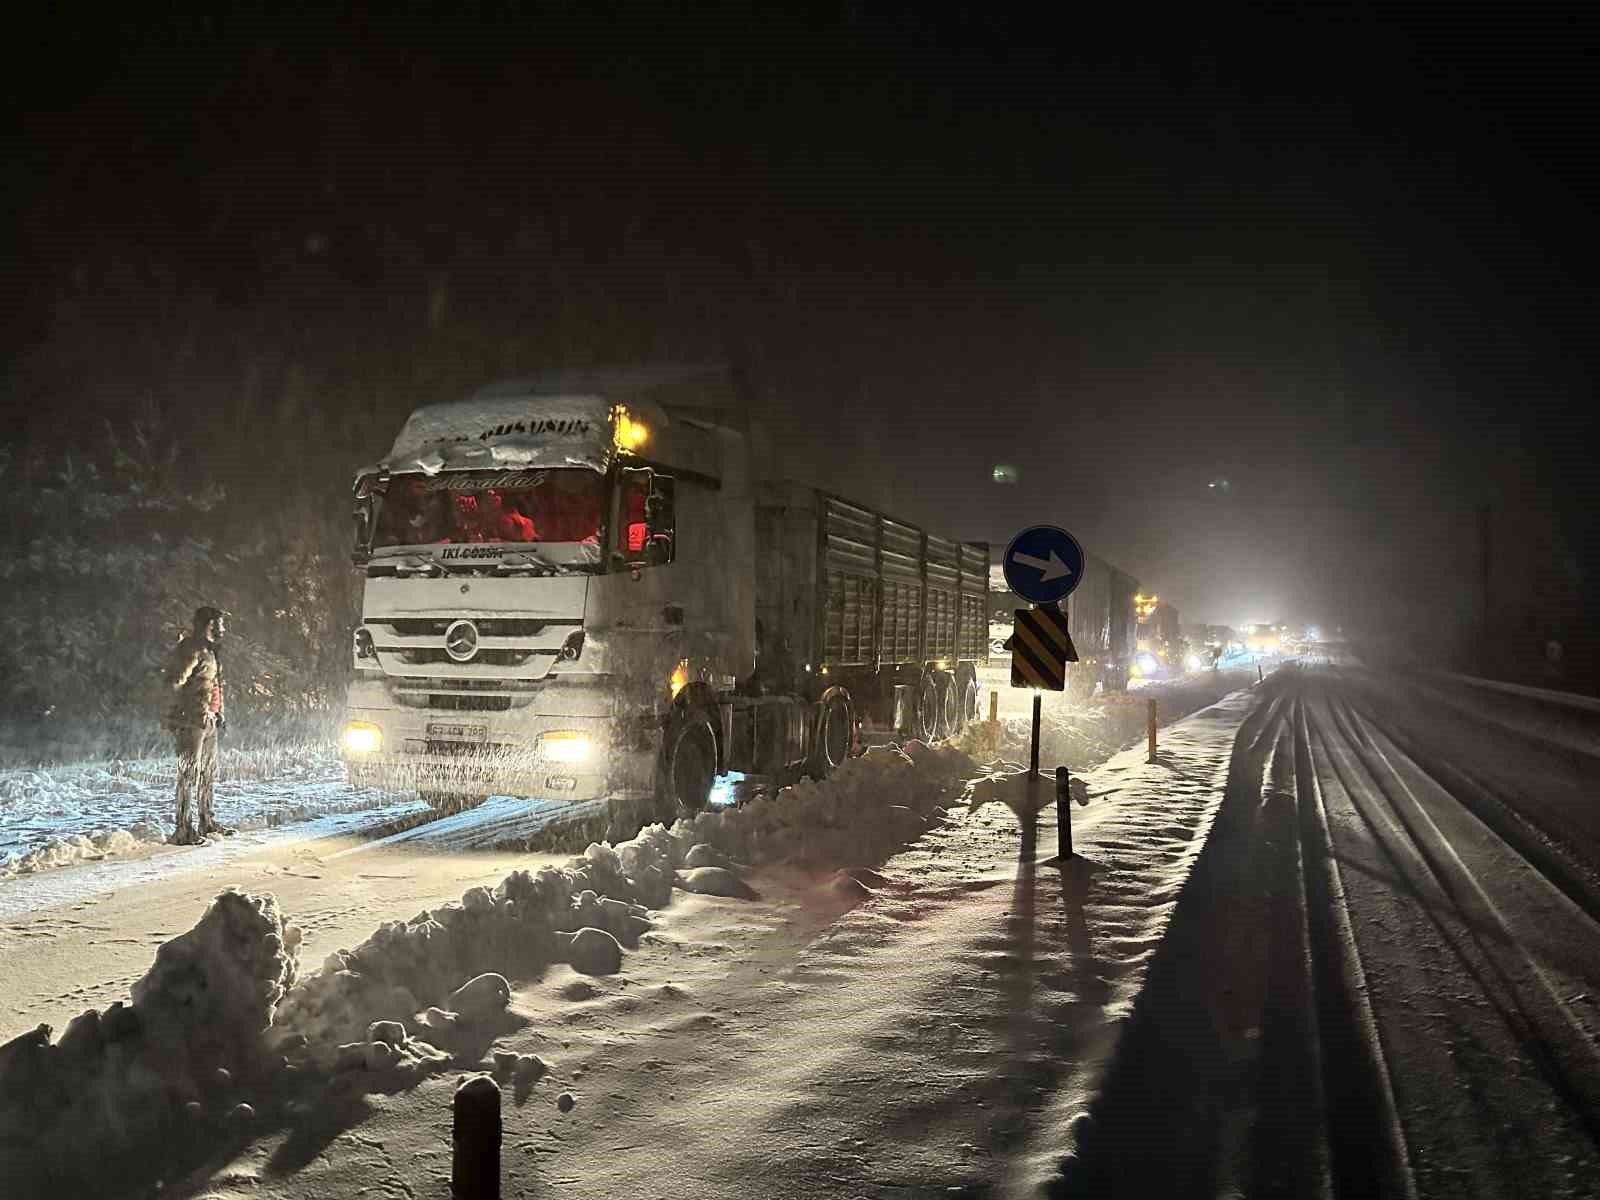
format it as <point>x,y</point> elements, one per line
<point>193,677</point>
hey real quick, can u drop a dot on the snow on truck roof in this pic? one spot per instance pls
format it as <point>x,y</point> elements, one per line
<point>556,418</point>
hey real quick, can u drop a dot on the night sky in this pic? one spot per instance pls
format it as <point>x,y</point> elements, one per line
<point>1343,262</point>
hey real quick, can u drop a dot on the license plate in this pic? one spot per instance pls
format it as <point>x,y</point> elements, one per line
<point>459,733</point>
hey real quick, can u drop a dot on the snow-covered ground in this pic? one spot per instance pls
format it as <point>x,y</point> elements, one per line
<point>765,1012</point>
<point>1339,939</point>
<point>55,816</point>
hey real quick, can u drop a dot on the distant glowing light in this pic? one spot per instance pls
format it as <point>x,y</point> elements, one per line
<point>1006,473</point>
<point>680,677</point>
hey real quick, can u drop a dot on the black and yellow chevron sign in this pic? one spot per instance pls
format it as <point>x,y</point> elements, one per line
<point>1041,648</point>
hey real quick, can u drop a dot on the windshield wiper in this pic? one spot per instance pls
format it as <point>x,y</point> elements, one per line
<point>418,566</point>
<point>527,560</point>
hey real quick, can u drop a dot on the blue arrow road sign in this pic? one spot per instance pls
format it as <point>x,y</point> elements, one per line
<point>1043,564</point>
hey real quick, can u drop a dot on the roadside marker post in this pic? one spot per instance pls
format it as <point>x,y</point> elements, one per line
<point>1063,813</point>
<point>475,1164</point>
<point>1150,726</point>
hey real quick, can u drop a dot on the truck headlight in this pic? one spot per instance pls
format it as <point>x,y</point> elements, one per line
<point>362,737</point>
<point>565,745</point>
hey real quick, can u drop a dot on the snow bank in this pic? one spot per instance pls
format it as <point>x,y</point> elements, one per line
<point>866,808</point>
<point>118,1082</point>
<point>75,848</point>
<point>869,806</point>
<point>212,1021</point>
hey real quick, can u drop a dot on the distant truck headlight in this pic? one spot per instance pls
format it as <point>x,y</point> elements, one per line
<point>1192,662</point>
<point>565,745</point>
<point>1149,664</point>
<point>362,737</point>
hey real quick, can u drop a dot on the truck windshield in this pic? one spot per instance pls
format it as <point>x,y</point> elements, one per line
<point>560,505</point>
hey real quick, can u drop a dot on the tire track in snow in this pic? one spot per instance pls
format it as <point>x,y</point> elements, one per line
<point>1474,1094</point>
<point>1548,850</point>
<point>1565,1047</point>
<point>1358,1096</point>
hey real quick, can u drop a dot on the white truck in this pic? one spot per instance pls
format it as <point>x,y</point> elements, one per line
<point>580,587</point>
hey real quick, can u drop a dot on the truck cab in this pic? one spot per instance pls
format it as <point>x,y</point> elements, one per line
<point>577,589</point>
<point>547,567</point>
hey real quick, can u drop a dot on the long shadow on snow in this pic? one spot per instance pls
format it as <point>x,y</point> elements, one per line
<point>1160,1125</point>
<point>313,1108</point>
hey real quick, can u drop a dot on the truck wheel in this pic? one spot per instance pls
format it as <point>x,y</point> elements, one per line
<point>688,764</point>
<point>967,704</point>
<point>835,733</point>
<point>949,707</point>
<point>925,720</point>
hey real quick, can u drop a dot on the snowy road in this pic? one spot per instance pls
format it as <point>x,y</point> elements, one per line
<point>1382,980</point>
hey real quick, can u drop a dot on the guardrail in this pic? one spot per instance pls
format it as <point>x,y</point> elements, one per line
<point>1545,695</point>
<point>1562,719</point>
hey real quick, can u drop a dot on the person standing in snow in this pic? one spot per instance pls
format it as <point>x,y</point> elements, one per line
<point>195,718</point>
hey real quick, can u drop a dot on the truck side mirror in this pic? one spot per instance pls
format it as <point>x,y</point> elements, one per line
<point>369,490</point>
<point>660,510</point>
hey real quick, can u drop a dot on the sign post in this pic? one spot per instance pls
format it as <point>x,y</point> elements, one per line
<point>1042,564</point>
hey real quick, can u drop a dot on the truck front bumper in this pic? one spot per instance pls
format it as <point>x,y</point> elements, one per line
<point>469,775</point>
<point>525,750</point>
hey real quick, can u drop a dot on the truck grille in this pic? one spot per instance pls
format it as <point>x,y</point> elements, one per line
<point>514,655</point>
<point>517,627</point>
<point>493,658</point>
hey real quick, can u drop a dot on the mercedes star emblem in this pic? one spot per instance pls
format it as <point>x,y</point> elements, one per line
<point>461,640</point>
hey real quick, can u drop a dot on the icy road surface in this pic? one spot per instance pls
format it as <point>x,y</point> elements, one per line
<point>1383,977</point>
